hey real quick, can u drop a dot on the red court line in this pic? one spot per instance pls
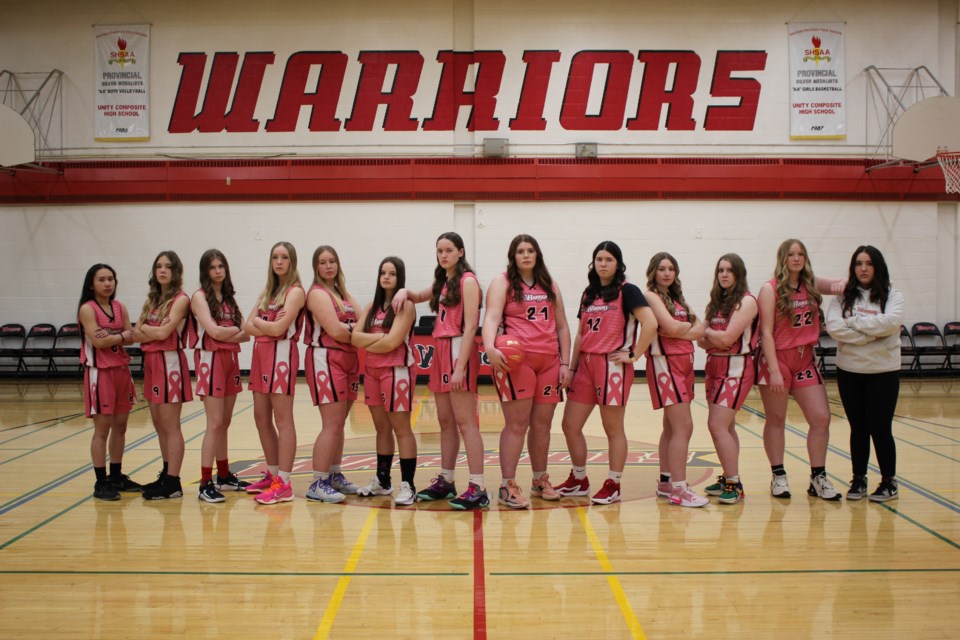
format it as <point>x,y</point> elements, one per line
<point>479,584</point>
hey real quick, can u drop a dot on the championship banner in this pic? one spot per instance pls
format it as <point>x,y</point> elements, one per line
<point>122,83</point>
<point>817,81</point>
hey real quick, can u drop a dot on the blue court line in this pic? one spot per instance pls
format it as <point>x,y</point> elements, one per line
<point>50,444</point>
<point>33,424</point>
<point>43,523</point>
<point>923,491</point>
<point>58,482</point>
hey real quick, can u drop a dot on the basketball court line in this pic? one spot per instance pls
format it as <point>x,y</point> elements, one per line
<point>242,574</point>
<point>633,624</point>
<point>57,420</point>
<point>63,420</point>
<point>479,579</point>
<point>910,443</point>
<point>330,614</point>
<point>745,572</point>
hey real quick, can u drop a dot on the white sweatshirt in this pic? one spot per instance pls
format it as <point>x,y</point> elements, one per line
<point>868,340</point>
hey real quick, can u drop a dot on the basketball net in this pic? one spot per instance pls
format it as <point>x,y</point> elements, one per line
<point>950,163</point>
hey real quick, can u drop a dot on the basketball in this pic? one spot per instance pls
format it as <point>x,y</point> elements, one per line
<point>511,349</point>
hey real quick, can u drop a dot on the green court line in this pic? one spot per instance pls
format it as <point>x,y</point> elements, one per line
<point>266,574</point>
<point>790,453</point>
<point>773,572</point>
<point>908,442</point>
<point>56,420</point>
<point>43,523</point>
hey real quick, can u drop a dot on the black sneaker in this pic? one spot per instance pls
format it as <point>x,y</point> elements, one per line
<point>439,489</point>
<point>231,483</point>
<point>124,483</point>
<point>104,490</point>
<point>163,489</point>
<point>209,493</point>
<point>887,490</point>
<point>858,488</point>
<point>153,486</point>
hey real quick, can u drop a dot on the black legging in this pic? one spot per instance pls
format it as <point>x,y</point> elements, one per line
<point>870,400</point>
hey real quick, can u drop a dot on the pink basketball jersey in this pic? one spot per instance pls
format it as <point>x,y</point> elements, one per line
<point>668,346</point>
<point>112,356</point>
<point>746,343</point>
<point>606,327</point>
<point>402,356</point>
<point>270,315</point>
<point>801,326</point>
<point>449,322</point>
<point>532,321</point>
<point>177,338</point>
<point>313,333</point>
<point>198,338</point>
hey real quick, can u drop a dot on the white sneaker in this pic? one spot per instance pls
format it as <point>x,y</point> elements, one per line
<point>374,488</point>
<point>820,487</point>
<point>779,487</point>
<point>406,495</point>
<point>323,491</point>
<point>685,497</point>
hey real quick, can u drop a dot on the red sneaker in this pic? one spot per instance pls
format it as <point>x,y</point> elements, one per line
<point>572,488</point>
<point>608,494</point>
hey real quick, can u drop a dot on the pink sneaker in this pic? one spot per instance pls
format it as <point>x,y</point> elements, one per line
<point>573,488</point>
<point>608,494</point>
<point>664,489</point>
<point>262,484</point>
<point>543,489</point>
<point>685,497</point>
<point>279,491</point>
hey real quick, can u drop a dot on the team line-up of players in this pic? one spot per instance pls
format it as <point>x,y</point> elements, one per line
<point>535,359</point>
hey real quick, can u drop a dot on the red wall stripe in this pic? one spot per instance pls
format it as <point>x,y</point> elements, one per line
<point>403,179</point>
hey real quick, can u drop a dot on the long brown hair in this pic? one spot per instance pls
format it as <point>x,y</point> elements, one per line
<point>723,302</point>
<point>380,296</point>
<point>782,276</point>
<point>156,298</point>
<point>227,291</point>
<point>339,288</point>
<point>674,292</point>
<point>541,275</point>
<point>452,297</point>
<point>879,288</point>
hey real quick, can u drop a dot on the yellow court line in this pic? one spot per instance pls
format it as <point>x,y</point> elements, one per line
<point>326,624</point>
<point>632,623</point>
<point>416,413</point>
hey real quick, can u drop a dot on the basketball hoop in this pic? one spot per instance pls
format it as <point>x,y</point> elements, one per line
<point>950,163</point>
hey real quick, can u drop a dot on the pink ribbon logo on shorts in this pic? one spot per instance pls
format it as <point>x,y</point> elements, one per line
<point>281,379</point>
<point>403,394</point>
<point>616,385</point>
<point>203,380</point>
<point>323,386</point>
<point>173,386</point>
<point>728,393</point>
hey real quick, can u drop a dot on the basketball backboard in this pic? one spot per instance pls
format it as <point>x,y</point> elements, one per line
<point>928,126</point>
<point>18,144</point>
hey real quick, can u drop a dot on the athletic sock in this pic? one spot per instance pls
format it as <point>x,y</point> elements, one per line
<point>274,469</point>
<point>223,468</point>
<point>285,476</point>
<point>579,473</point>
<point>100,472</point>
<point>206,473</point>
<point>664,477</point>
<point>384,463</point>
<point>538,474</point>
<point>408,467</point>
<point>477,479</point>
<point>615,475</point>
<point>816,471</point>
<point>778,470</point>
<point>115,469</point>
<point>447,474</point>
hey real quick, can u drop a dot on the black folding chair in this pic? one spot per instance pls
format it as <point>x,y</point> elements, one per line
<point>932,352</point>
<point>11,345</point>
<point>826,351</point>
<point>908,351</point>
<point>425,325</point>
<point>37,352</point>
<point>66,349</point>
<point>951,339</point>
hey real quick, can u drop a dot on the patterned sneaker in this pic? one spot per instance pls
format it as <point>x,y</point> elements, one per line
<point>231,483</point>
<point>279,491</point>
<point>208,493</point>
<point>779,487</point>
<point>473,498</point>
<point>439,489</point>
<point>685,497</point>
<point>608,494</point>
<point>263,484</point>
<point>543,489</point>
<point>732,493</point>
<point>168,487</point>
<point>887,490</point>
<point>511,496</point>
<point>323,491</point>
<point>374,488</point>
<point>573,488</point>
<point>339,482</point>
<point>716,488</point>
<point>104,490</point>
<point>124,483</point>
<point>858,488</point>
<point>406,496</point>
<point>664,489</point>
<point>821,487</point>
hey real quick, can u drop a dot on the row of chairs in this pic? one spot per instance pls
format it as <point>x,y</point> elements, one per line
<point>923,348</point>
<point>47,350</point>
